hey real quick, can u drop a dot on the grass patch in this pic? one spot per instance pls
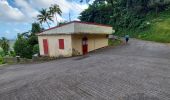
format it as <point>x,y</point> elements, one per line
<point>158,29</point>
<point>115,42</point>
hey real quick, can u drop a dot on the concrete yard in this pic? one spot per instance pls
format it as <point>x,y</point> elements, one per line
<point>137,71</point>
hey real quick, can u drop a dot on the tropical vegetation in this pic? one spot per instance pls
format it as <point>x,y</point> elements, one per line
<point>24,45</point>
<point>144,19</point>
<point>47,15</point>
<point>4,44</point>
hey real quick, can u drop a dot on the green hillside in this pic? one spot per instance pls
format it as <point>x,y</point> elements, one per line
<point>159,28</point>
<point>143,19</point>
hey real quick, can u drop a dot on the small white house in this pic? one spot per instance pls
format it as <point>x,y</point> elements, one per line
<point>73,38</point>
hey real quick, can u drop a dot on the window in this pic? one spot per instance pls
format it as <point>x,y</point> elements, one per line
<point>61,43</point>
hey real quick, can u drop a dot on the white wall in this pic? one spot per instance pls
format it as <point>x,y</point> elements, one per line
<point>53,45</point>
<point>93,29</point>
<point>94,42</point>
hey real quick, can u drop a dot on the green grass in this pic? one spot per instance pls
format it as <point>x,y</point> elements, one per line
<point>115,42</point>
<point>159,30</point>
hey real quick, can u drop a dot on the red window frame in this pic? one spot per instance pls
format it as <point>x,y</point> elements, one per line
<point>61,43</point>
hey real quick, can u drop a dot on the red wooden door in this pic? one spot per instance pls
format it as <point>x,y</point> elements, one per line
<point>85,45</point>
<point>45,45</point>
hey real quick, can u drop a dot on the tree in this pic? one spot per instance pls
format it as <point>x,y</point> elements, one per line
<point>36,28</point>
<point>122,14</point>
<point>44,17</point>
<point>4,44</point>
<point>22,47</point>
<point>32,38</point>
<point>54,10</point>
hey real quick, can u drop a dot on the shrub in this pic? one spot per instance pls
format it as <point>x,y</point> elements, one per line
<point>2,53</point>
<point>36,49</point>
<point>115,42</point>
<point>12,53</point>
<point>23,48</point>
<point>1,60</point>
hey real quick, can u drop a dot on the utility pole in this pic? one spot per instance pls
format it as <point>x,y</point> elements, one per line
<point>69,16</point>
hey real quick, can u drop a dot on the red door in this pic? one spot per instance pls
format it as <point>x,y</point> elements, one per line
<point>84,45</point>
<point>45,45</point>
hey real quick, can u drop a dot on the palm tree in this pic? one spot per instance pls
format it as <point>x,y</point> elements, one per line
<point>44,16</point>
<point>4,44</point>
<point>54,10</point>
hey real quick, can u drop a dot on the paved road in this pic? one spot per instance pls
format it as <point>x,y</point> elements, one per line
<point>137,71</point>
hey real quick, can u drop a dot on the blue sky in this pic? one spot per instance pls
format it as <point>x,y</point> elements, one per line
<point>16,16</point>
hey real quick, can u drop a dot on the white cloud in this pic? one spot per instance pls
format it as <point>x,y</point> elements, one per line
<point>65,5</point>
<point>26,8</point>
<point>8,13</point>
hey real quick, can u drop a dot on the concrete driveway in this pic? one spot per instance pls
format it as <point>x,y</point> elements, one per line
<point>137,71</point>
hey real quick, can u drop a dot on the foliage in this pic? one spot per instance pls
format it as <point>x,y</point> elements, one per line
<point>48,14</point>
<point>12,54</point>
<point>36,49</point>
<point>23,48</point>
<point>4,44</point>
<point>36,28</point>
<point>54,10</point>
<point>33,39</point>
<point>1,60</point>
<point>115,42</point>
<point>126,16</point>
<point>159,30</point>
<point>44,16</point>
<point>24,45</point>
<point>2,52</point>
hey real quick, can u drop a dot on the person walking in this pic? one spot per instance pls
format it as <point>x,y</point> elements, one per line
<point>126,38</point>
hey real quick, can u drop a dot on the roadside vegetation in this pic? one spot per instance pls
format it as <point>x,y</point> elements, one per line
<point>159,29</point>
<point>26,44</point>
<point>143,19</point>
<point>115,42</point>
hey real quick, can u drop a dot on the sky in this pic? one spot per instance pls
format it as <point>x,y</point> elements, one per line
<point>16,16</point>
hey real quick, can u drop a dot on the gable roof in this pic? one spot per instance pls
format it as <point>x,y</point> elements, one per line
<point>78,27</point>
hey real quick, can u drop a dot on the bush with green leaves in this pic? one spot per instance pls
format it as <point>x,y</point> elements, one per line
<point>12,53</point>
<point>1,60</point>
<point>2,53</point>
<point>36,49</point>
<point>4,44</point>
<point>23,48</point>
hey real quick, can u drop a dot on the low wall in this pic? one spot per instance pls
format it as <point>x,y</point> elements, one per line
<point>14,60</point>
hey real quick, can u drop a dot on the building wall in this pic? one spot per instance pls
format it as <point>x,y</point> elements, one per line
<point>53,45</point>
<point>79,27</point>
<point>94,42</point>
<point>66,29</point>
<point>93,29</point>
